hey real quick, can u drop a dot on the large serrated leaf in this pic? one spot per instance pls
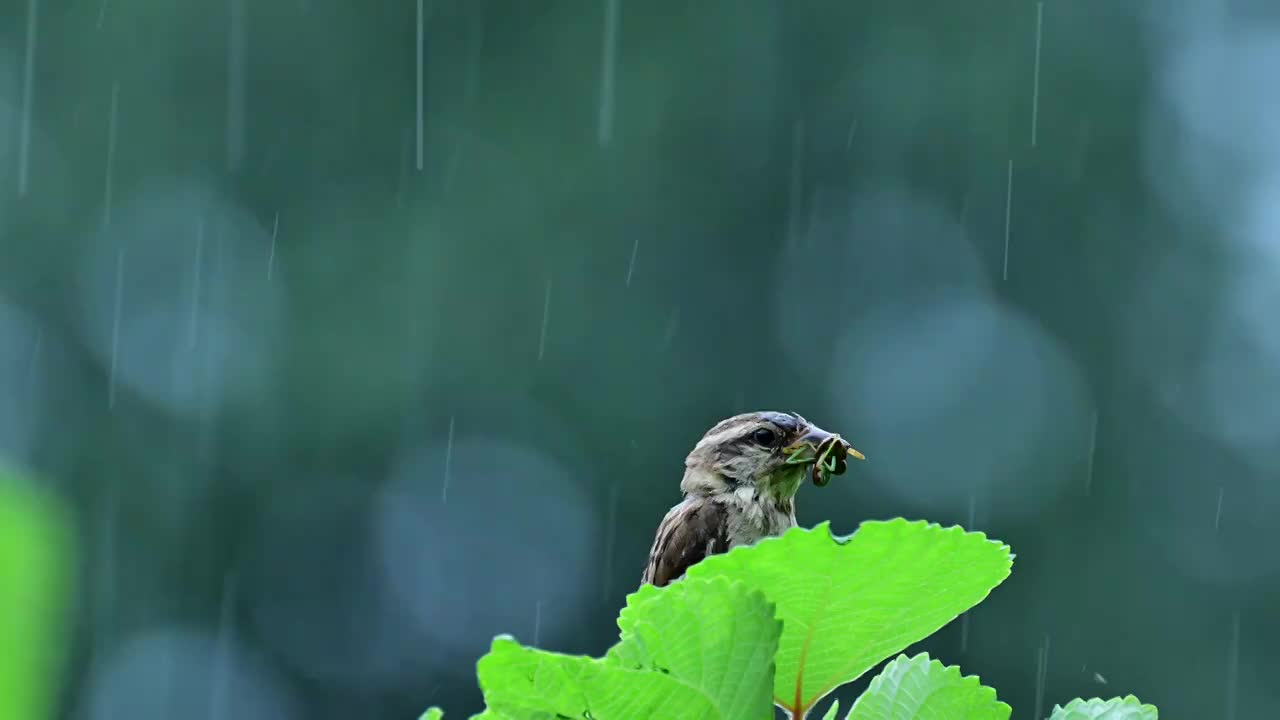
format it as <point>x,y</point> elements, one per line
<point>714,635</point>
<point>922,689</point>
<point>35,583</point>
<point>848,603</point>
<point>701,649</point>
<point>1125,708</point>
<point>523,683</point>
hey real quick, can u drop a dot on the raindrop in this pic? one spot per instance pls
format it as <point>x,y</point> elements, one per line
<point>28,100</point>
<point>236,85</point>
<point>193,327</point>
<point>797,179</point>
<point>1008,214</point>
<point>448,463</point>
<point>673,324</point>
<point>115,328</point>
<point>1042,667</point>
<point>421,27</point>
<point>105,570</point>
<point>403,178</point>
<point>473,59</point>
<point>611,533</point>
<point>271,256</point>
<point>1035,92</point>
<point>226,637</point>
<point>1093,449</point>
<point>33,363</point>
<point>964,619</point>
<point>1233,668</point>
<point>1217,515</point>
<point>546,312</point>
<point>608,68</point>
<point>631,266</point>
<point>23,377</point>
<point>537,622</point>
<point>112,125</point>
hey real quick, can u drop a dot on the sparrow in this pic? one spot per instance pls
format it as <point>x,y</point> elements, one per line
<point>739,485</point>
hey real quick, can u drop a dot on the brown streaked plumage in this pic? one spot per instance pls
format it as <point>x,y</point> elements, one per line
<point>739,486</point>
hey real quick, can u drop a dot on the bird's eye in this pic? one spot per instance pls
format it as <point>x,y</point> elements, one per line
<point>764,437</point>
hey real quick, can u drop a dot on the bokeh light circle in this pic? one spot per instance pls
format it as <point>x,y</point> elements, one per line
<point>887,246</point>
<point>506,547</point>
<point>180,672</point>
<point>961,396</point>
<point>176,302</point>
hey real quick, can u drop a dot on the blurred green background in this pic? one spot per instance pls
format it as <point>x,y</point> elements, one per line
<point>355,333</point>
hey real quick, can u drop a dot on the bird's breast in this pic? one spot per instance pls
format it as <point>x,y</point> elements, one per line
<point>753,516</point>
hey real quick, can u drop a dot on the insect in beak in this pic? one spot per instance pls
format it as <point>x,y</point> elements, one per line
<point>827,451</point>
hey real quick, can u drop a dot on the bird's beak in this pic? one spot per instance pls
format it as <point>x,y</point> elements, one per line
<point>814,439</point>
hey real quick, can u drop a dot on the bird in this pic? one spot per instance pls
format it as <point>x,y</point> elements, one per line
<point>739,485</point>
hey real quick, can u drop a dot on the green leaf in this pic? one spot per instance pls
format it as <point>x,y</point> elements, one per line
<point>432,713</point>
<point>35,584</point>
<point>521,683</point>
<point>1126,708</point>
<point>714,635</point>
<point>922,689</point>
<point>848,603</point>
<point>697,649</point>
<point>831,711</point>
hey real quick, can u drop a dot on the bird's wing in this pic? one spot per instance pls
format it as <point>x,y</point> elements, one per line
<point>691,531</point>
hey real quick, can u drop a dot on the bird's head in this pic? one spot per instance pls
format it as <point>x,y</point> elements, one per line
<point>769,451</point>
